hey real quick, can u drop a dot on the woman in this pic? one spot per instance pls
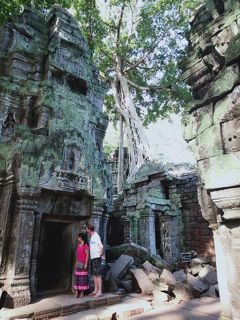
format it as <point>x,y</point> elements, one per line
<point>81,270</point>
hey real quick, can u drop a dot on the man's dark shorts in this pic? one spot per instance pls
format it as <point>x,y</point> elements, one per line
<point>96,266</point>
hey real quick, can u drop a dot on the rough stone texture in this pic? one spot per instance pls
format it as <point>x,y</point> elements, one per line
<point>182,292</point>
<point>120,267</point>
<point>160,297</point>
<point>208,274</point>
<point>52,171</point>
<point>198,286</point>
<point>167,277</point>
<point>143,281</point>
<point>180,276</point>
<point>212,71</point>
<point>159,210</point>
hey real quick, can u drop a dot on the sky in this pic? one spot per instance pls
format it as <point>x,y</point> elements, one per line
<point>165,139</point>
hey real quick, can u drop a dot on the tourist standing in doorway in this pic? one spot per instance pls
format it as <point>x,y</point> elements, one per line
<point>96,255</point>
<point>81,271</point>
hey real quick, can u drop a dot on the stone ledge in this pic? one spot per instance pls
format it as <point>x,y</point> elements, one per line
<point>58,306</point>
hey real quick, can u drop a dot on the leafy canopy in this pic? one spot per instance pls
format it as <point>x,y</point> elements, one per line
<point>148,37</point>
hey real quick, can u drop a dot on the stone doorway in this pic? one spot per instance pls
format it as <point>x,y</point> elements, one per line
<point>56,257</point>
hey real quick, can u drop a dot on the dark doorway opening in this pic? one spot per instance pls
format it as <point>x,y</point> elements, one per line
<point>158,235</point>
<point>55,260</point>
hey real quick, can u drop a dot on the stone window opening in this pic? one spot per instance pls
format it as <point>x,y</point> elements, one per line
<point>77,85</point>
<point>72,161</point>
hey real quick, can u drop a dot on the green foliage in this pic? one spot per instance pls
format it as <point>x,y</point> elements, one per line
<point>12,7</point>
<point>148,37</point>
<point>152,32</point>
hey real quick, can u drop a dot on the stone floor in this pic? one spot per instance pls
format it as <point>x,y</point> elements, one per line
<point>138,307</point>
<point>60,305</point>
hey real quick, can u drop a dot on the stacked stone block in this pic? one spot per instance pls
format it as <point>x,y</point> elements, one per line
<point>212,131</point>
<point>52,166</point>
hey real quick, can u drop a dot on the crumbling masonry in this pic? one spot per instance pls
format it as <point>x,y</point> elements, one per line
<point>212,129</point>
<point>52,172</point>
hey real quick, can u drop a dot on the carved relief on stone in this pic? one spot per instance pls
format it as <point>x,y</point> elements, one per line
<point>71,158</point>
<point>9,124</point>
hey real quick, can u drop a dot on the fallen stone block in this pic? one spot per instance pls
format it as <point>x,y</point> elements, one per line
<point>180,276</point>
<point>142,280</point>
<point>209,274</point>
<point>167,277</point>
<point>182,292</point>
<point>160,286</point>
<point>212,292</point>
<point>120,267</point>
<point>151,269</point>
<point>160,297</point>
<point>198,286</point>
<point>139,253</point>
<point>127,285</point>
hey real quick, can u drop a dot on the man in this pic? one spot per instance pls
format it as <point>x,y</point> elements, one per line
<point>96,255</point>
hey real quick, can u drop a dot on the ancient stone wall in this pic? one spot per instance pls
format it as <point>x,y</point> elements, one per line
<point>159,210</point>
<point>197,235</point>
<point>52,168</point>
<point>212,131</point>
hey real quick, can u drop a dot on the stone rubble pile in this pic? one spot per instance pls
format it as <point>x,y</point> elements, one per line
<point>198,279</point>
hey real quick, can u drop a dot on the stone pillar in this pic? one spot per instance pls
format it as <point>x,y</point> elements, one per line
<point>97,215</point>
<point>105,219</point>
<point>17,278</point>
<point>126,229</point>
<point>147,234</point>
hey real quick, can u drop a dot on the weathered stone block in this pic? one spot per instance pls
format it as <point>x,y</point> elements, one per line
<point>208,144</point>
<point>228,108</point>
<point>160,297</point>
<point>183,292</point>
<point>223,83</point>
<point>180,276</point>
<point>228,198</point>
<point>222,39</point>
<point>208,274</point>
<point>120,267</point>
<point>143,281</point>
<point>198,121</point>
<point>233,51</point>
<point>220,171</point>
<point>167,277</point>
<point>198,286</point>
<point>231,135</point>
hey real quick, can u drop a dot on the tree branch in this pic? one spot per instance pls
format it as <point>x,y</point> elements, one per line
<point>148,88</point>
<point>141,60</point>
<point>119,25</point>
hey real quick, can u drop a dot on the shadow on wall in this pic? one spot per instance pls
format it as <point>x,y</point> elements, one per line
<point>3,298</point>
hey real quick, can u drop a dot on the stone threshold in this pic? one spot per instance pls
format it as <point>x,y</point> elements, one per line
<point>131,305</point>
<point>59,306</point>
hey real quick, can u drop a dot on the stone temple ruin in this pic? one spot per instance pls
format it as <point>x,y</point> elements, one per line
<point>212,131</point>
<point>52,171</point>
<point>159,210</point>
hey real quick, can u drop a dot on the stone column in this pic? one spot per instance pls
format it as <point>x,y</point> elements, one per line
<point>147,231</point>
<point>126,229</point>
<point>104,229</point>
<point>17,284</point>
<point>97,215</point>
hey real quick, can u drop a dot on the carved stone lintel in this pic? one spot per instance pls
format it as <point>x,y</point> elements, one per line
<point>209,210</point>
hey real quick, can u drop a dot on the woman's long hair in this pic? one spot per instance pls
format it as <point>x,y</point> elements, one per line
<point>83,236</point>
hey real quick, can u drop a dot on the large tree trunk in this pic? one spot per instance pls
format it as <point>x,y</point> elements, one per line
<point>120,181</point>
<point>138,147</point>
